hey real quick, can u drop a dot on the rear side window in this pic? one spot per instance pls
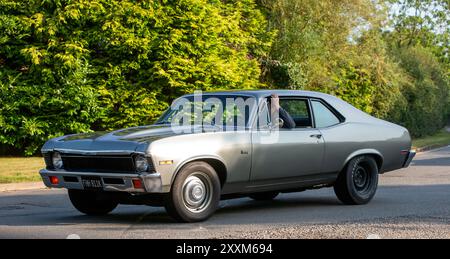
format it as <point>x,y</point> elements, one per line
<point>324,117</point>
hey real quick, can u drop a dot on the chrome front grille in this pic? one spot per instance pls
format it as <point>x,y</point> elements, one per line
<point>89,163</point>
<point>97,163</point>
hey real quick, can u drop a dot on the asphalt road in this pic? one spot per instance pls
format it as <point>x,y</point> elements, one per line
<point>410,203</point>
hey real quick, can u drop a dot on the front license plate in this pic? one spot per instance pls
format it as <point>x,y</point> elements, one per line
<point>92,183</point>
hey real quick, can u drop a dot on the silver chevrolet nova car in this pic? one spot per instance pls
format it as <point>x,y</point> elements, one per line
<point>189,164</point>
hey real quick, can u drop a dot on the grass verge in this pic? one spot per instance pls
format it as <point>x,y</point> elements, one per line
<point>20,169</point>
<point>442,138</point>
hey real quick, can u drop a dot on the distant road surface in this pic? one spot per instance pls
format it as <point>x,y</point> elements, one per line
<point>410,203</point>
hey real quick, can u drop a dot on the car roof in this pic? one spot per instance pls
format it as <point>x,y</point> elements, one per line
<point>345,109</point>
<point>266,93</point>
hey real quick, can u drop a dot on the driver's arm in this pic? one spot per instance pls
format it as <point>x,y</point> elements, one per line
<point>289,123</point>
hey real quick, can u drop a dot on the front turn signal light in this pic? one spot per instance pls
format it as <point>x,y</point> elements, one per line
<point>166,162</point>
<point>53,180</point>
<point>137,183</point>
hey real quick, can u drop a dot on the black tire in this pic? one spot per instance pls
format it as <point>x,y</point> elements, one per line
<point>358,182</point>
<point>92,203</point>
<point>195,193</point>
<point>264,196</point>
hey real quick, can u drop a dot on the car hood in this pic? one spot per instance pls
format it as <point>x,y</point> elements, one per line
<point>131,139</point>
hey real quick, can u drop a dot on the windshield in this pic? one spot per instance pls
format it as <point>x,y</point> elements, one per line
<point>215,110</point>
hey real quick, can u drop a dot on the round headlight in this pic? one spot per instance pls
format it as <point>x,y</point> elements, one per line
<point>57,161</point>
<point>141,164</point>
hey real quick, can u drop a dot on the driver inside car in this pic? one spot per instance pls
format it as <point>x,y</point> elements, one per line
<point>279,115</point>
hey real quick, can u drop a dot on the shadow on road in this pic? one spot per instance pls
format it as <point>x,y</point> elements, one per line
<point>308,207</point>
<point>227,207</point>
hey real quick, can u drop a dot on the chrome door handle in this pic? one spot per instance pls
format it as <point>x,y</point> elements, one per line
<point>317,136</point>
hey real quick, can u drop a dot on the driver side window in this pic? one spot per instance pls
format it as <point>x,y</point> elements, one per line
<point>298,109</point>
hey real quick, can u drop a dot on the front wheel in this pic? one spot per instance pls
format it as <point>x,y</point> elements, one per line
<point>92,203</point>
<point>195,193</point>
<point>358,182</point>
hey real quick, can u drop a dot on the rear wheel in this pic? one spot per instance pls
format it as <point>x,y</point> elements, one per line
<point>358,182</point>
<point>195,193</point>
<point>92,203</point>
<point>264,196</point>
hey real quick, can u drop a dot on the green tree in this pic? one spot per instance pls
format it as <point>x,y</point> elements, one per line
<point>419,38</point>
<point>421,22</point>
<point>69,66</point>
<point>426,93</point>
<point>334,47</point>
<point>44,90</point>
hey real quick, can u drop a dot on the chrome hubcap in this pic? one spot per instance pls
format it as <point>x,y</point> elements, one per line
<point>197,189</point>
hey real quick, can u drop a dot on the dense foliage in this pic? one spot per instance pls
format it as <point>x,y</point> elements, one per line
<point>419,41</point>
<point>69,66</point>
<point>424,110</point>
<point>387,58</point>
<point>75,66</point>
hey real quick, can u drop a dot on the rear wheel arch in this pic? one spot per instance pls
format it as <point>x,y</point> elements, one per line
<point>366,152</point>
<point>379,160</point>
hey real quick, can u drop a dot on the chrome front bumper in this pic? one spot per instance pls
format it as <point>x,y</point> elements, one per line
<point>123,182</point>
<point>410,156</point>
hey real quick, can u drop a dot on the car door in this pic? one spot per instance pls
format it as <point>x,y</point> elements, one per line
<point>338,136</point>
<point>286,153</point>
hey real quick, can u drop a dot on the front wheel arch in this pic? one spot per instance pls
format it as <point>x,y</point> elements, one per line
<point>216,163</point>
